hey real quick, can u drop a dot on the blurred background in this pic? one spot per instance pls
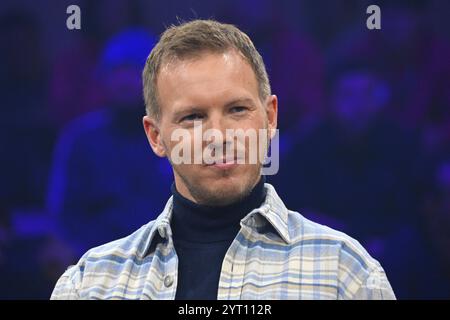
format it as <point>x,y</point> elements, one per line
<point>364,119</point>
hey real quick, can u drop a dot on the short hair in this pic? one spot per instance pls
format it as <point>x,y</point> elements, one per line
<point>192,38</point>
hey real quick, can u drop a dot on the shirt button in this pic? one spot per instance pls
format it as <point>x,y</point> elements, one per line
<point>168,281</point>
<point>162,231</point>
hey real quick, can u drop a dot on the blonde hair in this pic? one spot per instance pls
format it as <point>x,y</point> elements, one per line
<point>188,40</point>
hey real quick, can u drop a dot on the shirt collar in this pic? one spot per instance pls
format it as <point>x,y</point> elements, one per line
<point>272,209</point>
<point>275,212</point>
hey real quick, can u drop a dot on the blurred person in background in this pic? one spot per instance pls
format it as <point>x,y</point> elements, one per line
<point>73,86</point>
<point>356,166</point>
<point>105,182</point>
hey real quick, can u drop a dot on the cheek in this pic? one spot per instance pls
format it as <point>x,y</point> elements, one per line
<point>254,123</point>
<point>182,147</point>
<point>260,128</point>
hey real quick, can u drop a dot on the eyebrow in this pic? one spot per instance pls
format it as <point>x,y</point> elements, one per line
<point>240,101</point>
<point>186,111</point>
<point>194,108</point>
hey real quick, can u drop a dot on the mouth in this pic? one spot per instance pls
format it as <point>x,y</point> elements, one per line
<point>225,164</point>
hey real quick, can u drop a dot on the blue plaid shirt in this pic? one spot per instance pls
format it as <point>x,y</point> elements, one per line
<point>277,254</point>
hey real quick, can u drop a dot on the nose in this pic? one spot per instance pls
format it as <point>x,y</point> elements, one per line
<point>215,121</point>
<point>218,122</point>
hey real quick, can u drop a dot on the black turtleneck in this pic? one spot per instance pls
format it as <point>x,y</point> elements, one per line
<point>202,235</point>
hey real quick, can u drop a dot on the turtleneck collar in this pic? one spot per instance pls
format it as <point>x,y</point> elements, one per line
<point>197,223</point>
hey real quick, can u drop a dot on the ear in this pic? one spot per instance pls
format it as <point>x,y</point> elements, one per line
<point>272,114</point>
<point>154,136</point>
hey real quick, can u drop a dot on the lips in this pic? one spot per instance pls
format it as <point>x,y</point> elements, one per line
<point>222,166</point>
<point>225,163</point>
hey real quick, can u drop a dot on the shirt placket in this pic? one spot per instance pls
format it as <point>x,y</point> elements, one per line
<point>233,272</point>
<point>161,282</point>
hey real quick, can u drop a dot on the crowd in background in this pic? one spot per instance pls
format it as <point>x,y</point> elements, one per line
<point>364,120</point>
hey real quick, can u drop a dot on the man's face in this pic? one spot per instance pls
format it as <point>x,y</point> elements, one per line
<point>217,91</point>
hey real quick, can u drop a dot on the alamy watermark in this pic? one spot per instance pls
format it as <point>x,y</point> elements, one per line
<point>238,146</point>
<point>73,21</point>
<point>373,22</point>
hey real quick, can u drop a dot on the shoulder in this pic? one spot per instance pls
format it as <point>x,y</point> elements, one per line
<point>358,273</point>
<point>310,239</point>
<point>107,261</point>
<point>306,232</point>
<point>126,247</point>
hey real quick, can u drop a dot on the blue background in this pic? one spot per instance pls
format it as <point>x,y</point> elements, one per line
<point>364,119</point>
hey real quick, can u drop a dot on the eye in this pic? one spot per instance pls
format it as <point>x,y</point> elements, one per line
<point>238,109</point>
<point>192,117</point>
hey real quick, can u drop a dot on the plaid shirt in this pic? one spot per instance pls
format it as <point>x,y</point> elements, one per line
<point>277,254</point>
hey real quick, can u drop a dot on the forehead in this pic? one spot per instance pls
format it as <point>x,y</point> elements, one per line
<point>205,79</point>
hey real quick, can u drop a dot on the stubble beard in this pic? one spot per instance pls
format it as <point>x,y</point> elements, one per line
<point>206,195</point>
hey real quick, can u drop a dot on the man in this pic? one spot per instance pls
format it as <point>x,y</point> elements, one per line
<point>225,233</point>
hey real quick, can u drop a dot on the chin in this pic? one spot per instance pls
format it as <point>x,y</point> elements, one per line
<point>233,180</point>
<point>221,187</point>
<point>224,198</point>
<point>228,189</point>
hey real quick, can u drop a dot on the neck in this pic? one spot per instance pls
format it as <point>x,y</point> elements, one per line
<point>195,222</point>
